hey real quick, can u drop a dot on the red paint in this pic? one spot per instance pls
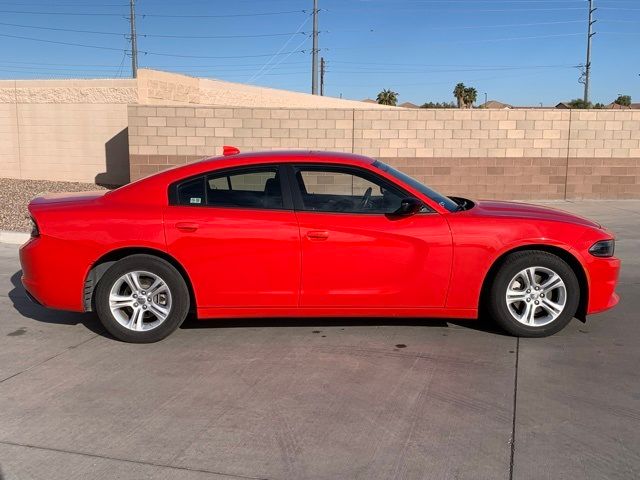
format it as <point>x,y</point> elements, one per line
<point>253,262</point>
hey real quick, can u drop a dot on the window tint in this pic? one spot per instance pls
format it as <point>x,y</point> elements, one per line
<point>191,192</point>
<point>259,188</point>
<point>249,188</point>
<point>346,191</point>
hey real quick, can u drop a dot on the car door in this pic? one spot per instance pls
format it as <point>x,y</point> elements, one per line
<point>236,235</point>
<point>356,252</point>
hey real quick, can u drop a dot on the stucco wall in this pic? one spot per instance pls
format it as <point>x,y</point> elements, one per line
<point>512,154</point>
<point>164,88</point>
<point>72,130</point>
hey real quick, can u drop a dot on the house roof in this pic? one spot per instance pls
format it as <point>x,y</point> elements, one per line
<point>408,105</point>
<point>563,105</point>
<point>369,100</point>
<point>495,104</point>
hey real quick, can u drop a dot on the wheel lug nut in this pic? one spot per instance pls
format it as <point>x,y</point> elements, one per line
<point>144,307</point>
<point>537,288</point>
<point>135,304</point>
<point>528,290</point>
<point>135,295</point>
<point>143,292</point>
<point>542,295</point>
<point>528,299</point>
<point>536,302</point>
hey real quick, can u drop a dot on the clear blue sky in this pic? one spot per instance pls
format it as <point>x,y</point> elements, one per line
<point>518,51</point>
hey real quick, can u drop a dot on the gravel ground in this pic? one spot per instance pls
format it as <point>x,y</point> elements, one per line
<point>15,195</point>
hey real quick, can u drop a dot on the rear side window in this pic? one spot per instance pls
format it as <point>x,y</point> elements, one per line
<point>191,192</point>
<point>247,188</point>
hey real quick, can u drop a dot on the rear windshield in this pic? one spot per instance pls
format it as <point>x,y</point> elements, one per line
<point>440,199</point>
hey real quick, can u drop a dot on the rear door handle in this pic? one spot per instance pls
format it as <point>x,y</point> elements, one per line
<point>317,235</point>
<point>187,226</point>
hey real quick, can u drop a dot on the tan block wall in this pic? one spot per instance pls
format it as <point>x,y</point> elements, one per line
<point>65,130</point>
<point>509,154</point>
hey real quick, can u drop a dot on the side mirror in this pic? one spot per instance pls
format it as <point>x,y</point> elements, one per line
<point>409,206</point>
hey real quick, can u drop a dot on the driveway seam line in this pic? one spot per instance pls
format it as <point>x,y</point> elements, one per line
<point>515,403</point>
<point>139,462</point>
<point>47,359</point>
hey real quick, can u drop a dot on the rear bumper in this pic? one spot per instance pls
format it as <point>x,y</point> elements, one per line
<point>49,276</point>
<point>603,276</point>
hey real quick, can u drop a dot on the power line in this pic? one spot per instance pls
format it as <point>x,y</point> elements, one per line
<point>62,29</point>
<point>160,54</point>
<point>231,15</point>
<point>284,45</point>
<point>144,15</point>
<point>149,35</point>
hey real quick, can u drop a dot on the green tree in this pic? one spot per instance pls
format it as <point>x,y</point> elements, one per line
<point>579,103</point>
<point>624,100</point>
<point>470,96</point>
<point>438,105</point>
<point>458,93</point>
<point>387,97</point>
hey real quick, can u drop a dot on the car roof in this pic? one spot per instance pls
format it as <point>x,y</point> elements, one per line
<point>282,156</point>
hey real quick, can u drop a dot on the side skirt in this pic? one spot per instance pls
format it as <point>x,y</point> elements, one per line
<point>277,312</point>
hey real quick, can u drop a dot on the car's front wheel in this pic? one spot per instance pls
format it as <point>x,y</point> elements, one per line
<point>141,299</point>
<point>534,294</point>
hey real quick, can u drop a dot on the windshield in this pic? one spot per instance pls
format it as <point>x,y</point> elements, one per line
<point>432,194</point>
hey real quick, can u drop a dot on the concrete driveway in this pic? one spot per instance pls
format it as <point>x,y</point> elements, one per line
<point>313,399</point>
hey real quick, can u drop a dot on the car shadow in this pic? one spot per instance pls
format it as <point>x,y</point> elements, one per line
<point>31,310</point>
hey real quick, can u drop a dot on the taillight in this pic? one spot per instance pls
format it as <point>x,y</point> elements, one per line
<point>35,231</point>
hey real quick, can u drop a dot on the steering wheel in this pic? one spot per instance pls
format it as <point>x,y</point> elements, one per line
<point>364,203</point>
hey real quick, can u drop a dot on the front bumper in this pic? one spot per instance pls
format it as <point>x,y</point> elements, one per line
<point>603,278</point>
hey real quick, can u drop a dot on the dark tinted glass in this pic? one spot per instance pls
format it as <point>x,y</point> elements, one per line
<point>191,192</point>
<point>259,188</point>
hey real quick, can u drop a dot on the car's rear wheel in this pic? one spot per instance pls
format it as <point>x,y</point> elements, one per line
<point>141,299</point>
<point>534,294</point>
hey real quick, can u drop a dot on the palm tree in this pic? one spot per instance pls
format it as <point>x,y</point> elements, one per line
<point>470,96</point>
<point>458,92</point>
<point>387,97</point>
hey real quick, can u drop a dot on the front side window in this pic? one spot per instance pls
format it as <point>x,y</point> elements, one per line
<point>248,188</point>
<point>331,189</point>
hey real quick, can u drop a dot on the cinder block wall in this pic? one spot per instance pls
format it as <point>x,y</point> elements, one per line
<point>71,130</point>
<point>508,154</point>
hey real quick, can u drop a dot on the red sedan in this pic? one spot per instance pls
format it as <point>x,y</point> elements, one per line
<point>310,234</point>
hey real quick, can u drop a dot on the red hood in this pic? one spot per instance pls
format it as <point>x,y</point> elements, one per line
<point>68,197</point>
<point>492,208</point>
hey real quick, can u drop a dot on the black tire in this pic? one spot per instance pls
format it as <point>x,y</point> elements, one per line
<point>157,266</point>
<point>511,266</point>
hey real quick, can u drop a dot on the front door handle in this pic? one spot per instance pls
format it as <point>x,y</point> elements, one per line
<point>187,226</point>
<point>317,235</point>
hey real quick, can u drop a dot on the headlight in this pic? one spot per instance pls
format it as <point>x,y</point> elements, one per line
<point>603,248</point>
<point>34,228</point>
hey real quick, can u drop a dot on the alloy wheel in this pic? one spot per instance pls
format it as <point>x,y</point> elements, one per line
<point>536,296</point>
<point>140,300</point>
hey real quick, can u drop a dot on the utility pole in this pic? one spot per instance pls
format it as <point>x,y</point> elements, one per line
<point>314,53</point>
<point>587,73</point>
<point>321,76</point>
<point>134,40</point>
